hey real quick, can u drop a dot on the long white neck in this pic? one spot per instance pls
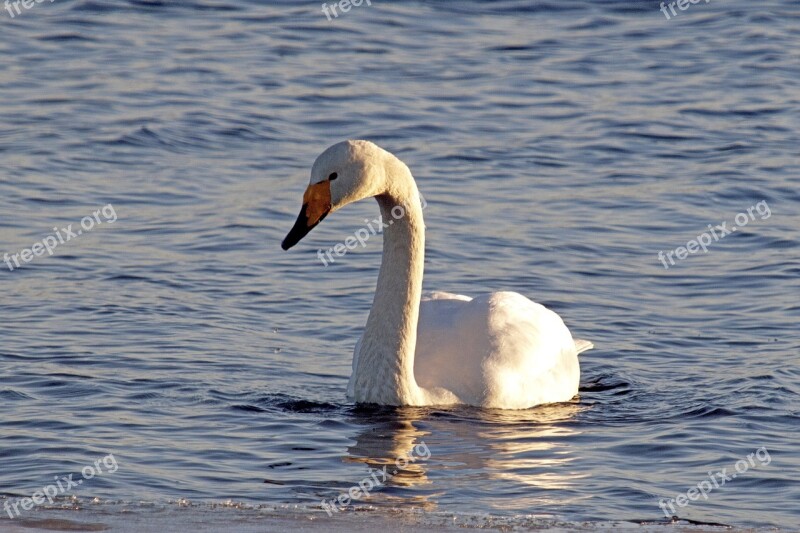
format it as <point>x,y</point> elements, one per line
<point>385,369</point>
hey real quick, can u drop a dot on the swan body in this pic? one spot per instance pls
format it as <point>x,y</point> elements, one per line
<point>498,350</point>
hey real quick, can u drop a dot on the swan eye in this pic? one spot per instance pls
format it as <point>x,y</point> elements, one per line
<point>333,176</point>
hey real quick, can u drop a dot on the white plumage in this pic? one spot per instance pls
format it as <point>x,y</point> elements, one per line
<point>499,350</point>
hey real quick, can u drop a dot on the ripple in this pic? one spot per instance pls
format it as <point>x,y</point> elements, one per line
<point>560,146</point>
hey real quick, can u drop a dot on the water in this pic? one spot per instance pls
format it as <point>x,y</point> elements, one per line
<point>559,146</point>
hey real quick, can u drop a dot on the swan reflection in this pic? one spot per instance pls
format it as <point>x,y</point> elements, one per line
<point>527,452</point>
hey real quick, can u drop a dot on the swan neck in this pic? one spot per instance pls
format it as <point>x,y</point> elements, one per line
<point>385,372</point>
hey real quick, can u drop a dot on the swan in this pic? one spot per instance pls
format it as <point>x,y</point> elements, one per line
<point>499,350</point>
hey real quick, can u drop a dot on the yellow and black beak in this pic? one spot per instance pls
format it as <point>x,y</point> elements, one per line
<point>316,206</point>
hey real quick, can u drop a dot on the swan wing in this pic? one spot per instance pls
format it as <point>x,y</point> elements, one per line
<point>582,345</point>
<point>497,350</point>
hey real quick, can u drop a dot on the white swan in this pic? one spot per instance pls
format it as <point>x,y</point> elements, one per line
<point>500,350</point>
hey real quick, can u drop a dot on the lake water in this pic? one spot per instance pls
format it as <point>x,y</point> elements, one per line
<point>560,147</point>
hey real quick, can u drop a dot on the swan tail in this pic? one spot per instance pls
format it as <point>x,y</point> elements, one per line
<point>582,345</point>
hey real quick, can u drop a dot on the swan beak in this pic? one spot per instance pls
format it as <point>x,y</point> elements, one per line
<point>316,206</point>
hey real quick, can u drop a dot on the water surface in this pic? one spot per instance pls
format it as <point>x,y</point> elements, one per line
<point>560,147</point>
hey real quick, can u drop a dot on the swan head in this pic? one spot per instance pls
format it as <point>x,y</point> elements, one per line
<point>344,173</point>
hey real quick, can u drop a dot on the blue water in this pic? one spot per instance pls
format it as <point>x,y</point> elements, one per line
<point>560,146</point>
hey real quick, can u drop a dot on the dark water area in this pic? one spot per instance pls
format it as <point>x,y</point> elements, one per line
<point>560,146</point>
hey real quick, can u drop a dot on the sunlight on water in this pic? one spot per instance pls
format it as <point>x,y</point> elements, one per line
<point>559,147</point>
